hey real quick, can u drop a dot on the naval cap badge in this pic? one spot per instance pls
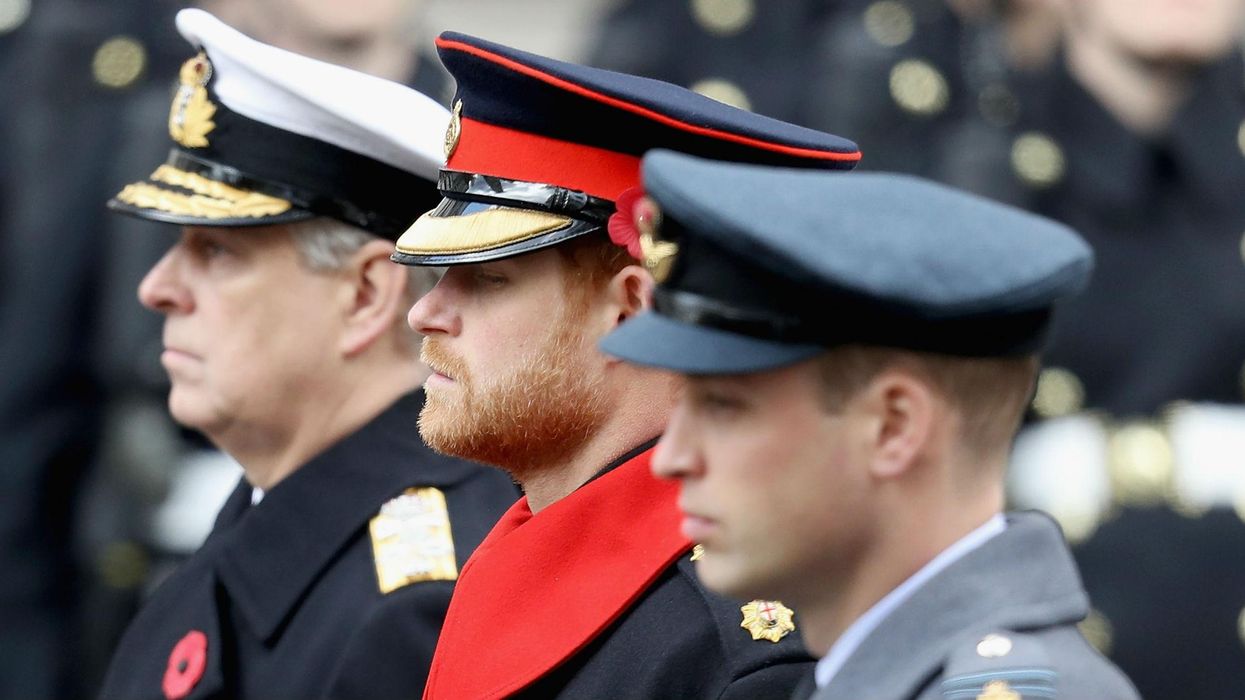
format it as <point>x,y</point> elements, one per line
<point>190,117</point>
<point>767,619</point>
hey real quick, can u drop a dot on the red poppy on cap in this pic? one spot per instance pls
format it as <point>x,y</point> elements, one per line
<point>186,665</point>
<point>621,226</point>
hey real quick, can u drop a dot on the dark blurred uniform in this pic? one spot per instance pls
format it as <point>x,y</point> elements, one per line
<point>900,76</point>
<point>76,353</point>
<point>1141,455</point>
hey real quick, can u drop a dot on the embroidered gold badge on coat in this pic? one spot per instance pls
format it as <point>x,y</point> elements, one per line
<point>411,540</point>
<point>767,619</point>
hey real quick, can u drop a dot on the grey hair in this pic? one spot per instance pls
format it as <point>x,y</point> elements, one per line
<point>325,245</point>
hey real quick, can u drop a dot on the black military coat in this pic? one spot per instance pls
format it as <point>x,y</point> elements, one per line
<point>271,606</point>
<point>596,597</point>
<point>1152,356</point>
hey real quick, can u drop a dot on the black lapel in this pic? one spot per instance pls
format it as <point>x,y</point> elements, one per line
<point>274,554</point>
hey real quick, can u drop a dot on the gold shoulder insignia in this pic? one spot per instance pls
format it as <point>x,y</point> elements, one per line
<point>411,540</point>
<point>998,690</point>
<point>190,117</point>
<point>767,619</point>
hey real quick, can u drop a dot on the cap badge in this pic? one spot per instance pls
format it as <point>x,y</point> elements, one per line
<point>411,540</point>
<point>454,130</point>
<point>767,619</point>
<point>190,118</point>
<point>998,690</point>
<point>658,255</point>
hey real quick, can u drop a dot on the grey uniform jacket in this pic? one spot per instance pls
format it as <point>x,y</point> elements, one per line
<point>999,623</point>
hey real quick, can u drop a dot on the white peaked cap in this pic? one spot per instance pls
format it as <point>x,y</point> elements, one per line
<point>362,113</point>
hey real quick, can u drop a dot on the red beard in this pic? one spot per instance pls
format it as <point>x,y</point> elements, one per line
<point>537,416</point>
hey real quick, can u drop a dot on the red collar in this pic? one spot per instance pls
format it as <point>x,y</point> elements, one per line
<point>540,588</point>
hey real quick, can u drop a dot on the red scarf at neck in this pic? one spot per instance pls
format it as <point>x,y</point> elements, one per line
<point>541,587</point>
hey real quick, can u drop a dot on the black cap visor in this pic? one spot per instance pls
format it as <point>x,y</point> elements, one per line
<point>179,193</point>
<point>485,218</point>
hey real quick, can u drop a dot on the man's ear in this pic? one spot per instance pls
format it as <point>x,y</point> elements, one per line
<point>375,296</point>
<point>630,291</point>
<point>904,407</point>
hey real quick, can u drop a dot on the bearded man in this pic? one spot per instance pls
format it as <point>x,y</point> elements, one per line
<point>585,588</point>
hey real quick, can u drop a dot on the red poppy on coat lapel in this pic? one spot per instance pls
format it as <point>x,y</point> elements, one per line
<point>186,665</point>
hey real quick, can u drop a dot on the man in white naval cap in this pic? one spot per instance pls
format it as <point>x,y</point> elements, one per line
<point>285,346</point>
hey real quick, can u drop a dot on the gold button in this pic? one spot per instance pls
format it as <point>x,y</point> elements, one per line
<point>1097,629</point>
<point>919,88</point>
<point>119,62</point>
<point>723,91</point>
<point>1059,393</point>
<point>698,552</point>
<point>993,646</point>
<point>723,17</point>
<point>1037,159</point>
<point>889,22</point>
<point>1141,464</point>
<point>122,565</point>
<point>12,14</point>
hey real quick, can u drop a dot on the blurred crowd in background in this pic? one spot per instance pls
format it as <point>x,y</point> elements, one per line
<point>1123,118</point>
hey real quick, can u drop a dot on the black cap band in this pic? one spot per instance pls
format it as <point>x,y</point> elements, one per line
<point>983,336</point>
<point>317,176</point>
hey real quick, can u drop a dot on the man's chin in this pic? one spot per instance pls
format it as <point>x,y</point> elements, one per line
<point>189,412</point>
<point>725,579</point>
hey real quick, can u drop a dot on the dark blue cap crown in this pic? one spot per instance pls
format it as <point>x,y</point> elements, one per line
<point>565,140</point>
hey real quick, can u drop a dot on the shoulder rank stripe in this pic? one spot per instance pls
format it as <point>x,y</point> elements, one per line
<point>1002,684</point>
<point>412,541</point>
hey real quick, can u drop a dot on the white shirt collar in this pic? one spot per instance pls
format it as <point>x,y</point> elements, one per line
<point>864,625</point>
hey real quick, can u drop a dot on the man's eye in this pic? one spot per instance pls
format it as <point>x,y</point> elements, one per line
<point>213,249</point>
<point>490,279</point>
<point>720,404</point>
<point>208,247</point>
